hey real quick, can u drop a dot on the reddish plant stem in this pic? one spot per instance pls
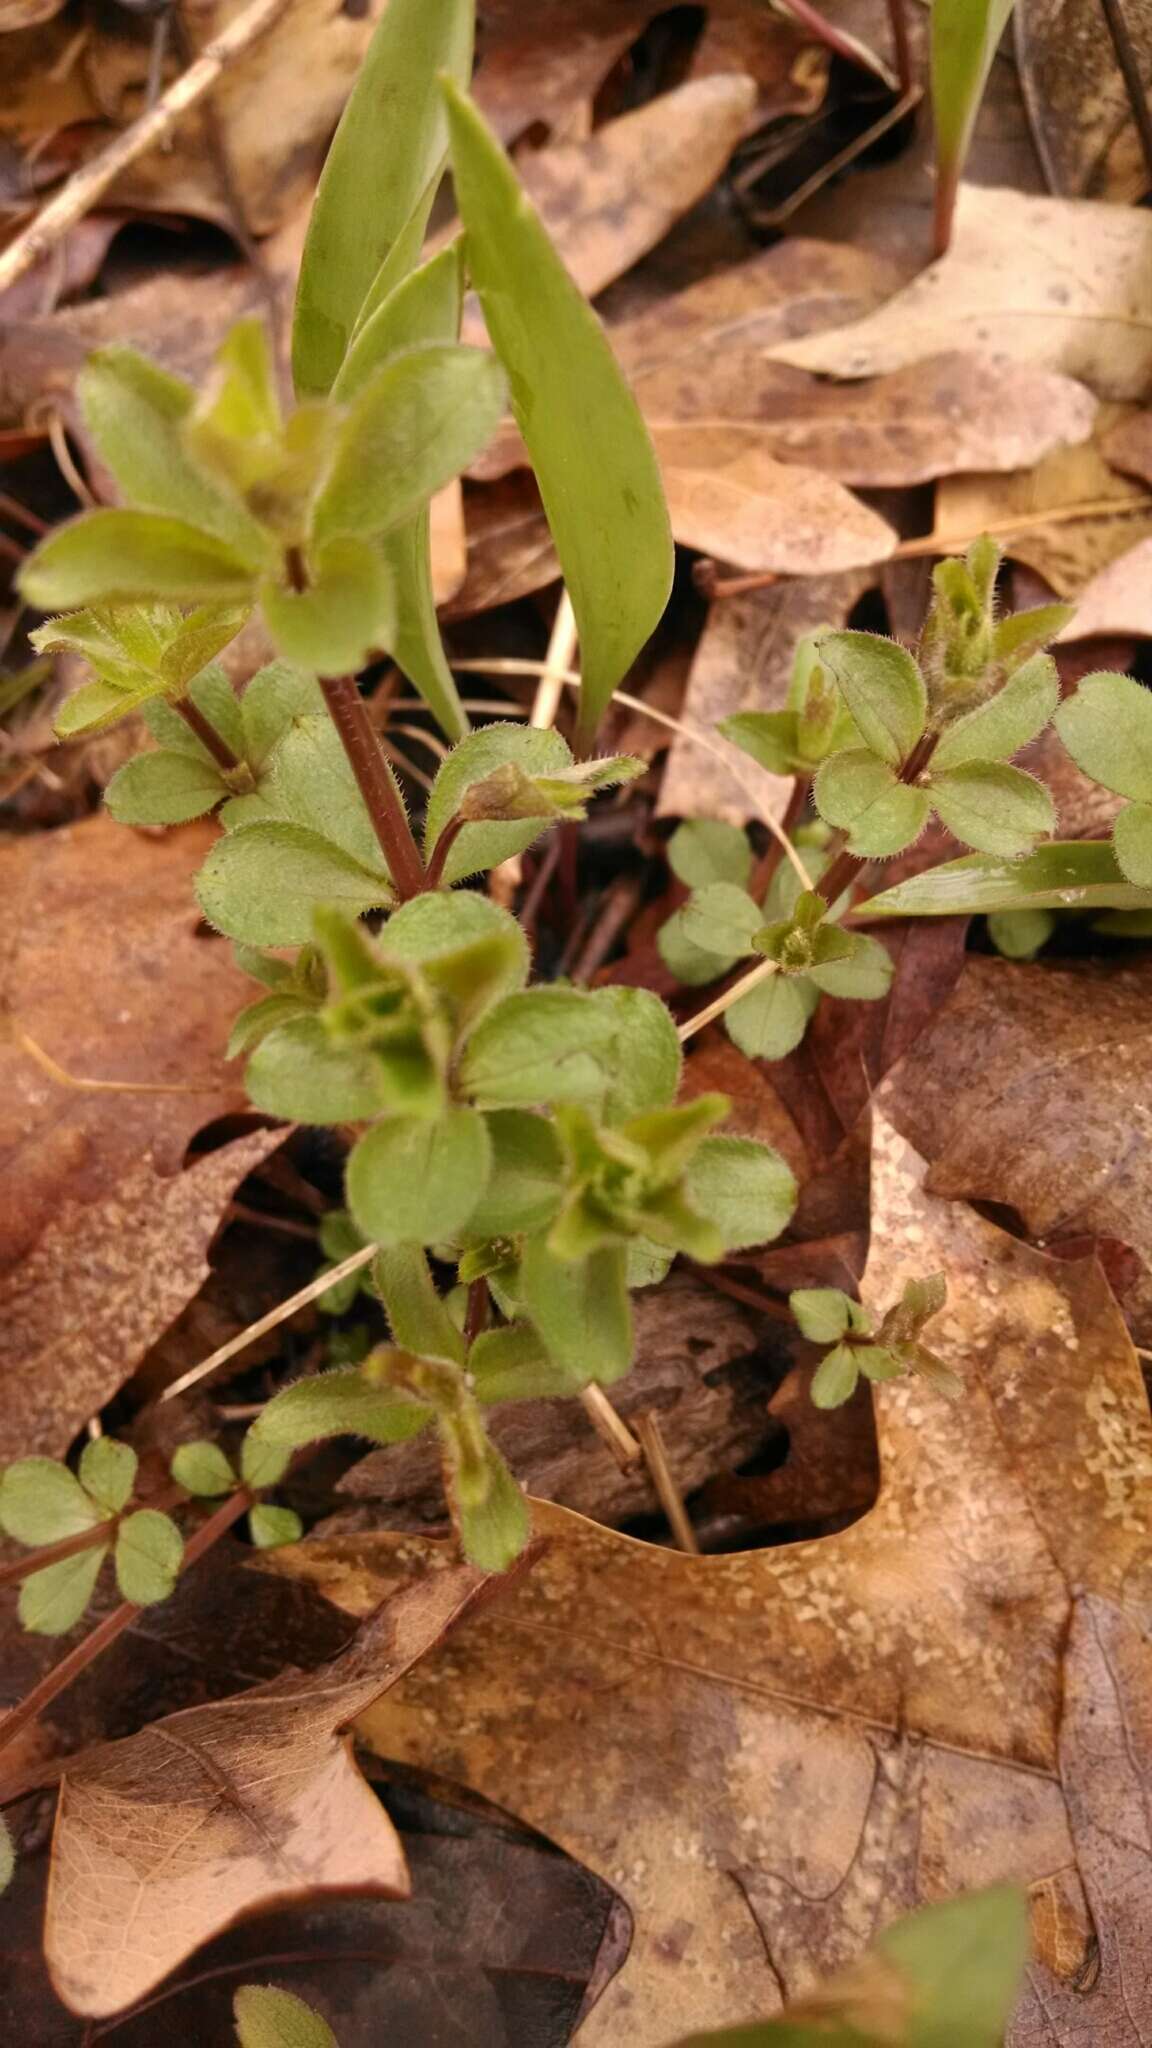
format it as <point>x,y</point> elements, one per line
<point>55,1553</point>
<point>374,779</point>
<point>443,847</point>
<point>206,733</point>
<point>771,858</point>
<point>476,1313</point>
<point>99,1639</point>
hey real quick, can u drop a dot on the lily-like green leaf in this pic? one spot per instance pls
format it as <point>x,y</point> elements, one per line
<point>593,458</point>
<point>381,171</point>
<point>1074,874</point>
<point>965,36</point>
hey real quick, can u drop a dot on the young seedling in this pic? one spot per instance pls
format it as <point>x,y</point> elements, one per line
<point>826,1316</point>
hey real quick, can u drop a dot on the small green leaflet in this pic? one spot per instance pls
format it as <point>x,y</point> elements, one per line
<point>595,463</point>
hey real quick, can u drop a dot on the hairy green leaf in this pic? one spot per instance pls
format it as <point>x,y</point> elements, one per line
<point>477,756</point>
<point>722,918</point>
<point>416,1180</point>
<point>164,789</point>
<point>581,1310</point>
<point>744,1188</point>
<point>149,1552</point>
<point>346,614</point>
<point>1132,840</point>
<point>993,807</point>
<point>706,850</point>
<point>297,1073</point>
<point>1107,728</point>
<point>415,425</point>
<point>417,1314</point>
<point>269,2018</point>
<point>202,1469</point>
<point>998,729</point>
<point>41,1501</point>
<point>53,1600</point>
<point>121,556</point>
<point>107,1471</point>
<point>338,1404</point>
<point>822,1313</point>
<point>524,1189</point>
<point>860,792</point>
<point>772,1018</point>
<point>261,884</point>
<point>883,689</point>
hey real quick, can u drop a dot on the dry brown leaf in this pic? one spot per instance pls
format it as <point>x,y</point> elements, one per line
<point>607,201</point>
<point>729,496</point>
<point>953,412</point>
<point>1031,1088</point>
<point>103,967</point>
<point>169,1837</point>
<point>791,72</point>
<point>1077,101</point>
<point>536,62</point>
<point>700,1365</point>
<point>103,1281</point>
<point>509,546</point>
<point>951,1691</point>
<point>1118,599</point>
<point>744,663</point>
<point>1066,552</point>
<point>1065,284</point>
<point>1127,444</point>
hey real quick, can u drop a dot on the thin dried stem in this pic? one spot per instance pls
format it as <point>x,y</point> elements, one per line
<point>743,987</point>
<point>663,1479</point>
<point>557,669</point>
<point>81,192</point>
<point>275,1316</point>
<point>612,1429</point>
<point>56,1072</point>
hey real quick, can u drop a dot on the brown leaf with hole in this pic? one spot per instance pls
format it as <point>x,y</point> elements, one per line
<point>743,662</point>
<point>167,1838</point>
<point>103,967</point>
<point>100,1285</point>
<point>729,496</point>
<point>1078,104</point>
<point>1065,284</point>
<point>951,1691</point>
<point>957,411</point>
<point>1033,1088</point>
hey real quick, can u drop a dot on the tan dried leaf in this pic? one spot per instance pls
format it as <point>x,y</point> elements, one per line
<point>729,496</point>
<point>99,1287</point>
<point>104,968</point>
<point>166,1839</point>
<point>951,1691</point>
<point>1029,511</point>
<point>743,662</point>
<point>1078,104</point>
<point>1118,598</point>
<point>1065,284</point>
<point>1032,1087</point>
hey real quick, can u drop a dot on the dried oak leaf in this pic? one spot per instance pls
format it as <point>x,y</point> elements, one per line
<point>1118,598</point>
<point>1032,1088</point>
<point>102,966</point>
<point>100,1285</point>
<point>728,495</point>
<point>1062,283</point>
<point>167,1838</point>
<point>1078,104</point>
<point>772,1754</point>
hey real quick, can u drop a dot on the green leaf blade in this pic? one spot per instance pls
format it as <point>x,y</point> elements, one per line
<point>590,449</point>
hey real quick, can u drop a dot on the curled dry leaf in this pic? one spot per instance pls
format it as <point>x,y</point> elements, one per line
<point>94,908</point>
<point>1033,1088</point>
<point>729,496</point>
<point>99,1287</point>
<point>1078,106</point>
<point>743,662</point>
<point>1118,598</point>
<point>167,1838</point>
<point>1062,283</point>
<point>949,1692</point>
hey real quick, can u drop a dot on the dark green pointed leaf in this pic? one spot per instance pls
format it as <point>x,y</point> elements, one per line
<point>416,1180</point>
<point>965,37</point>
<point>593,458</point>
<point>416,424</point>
<point>383,164</point>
